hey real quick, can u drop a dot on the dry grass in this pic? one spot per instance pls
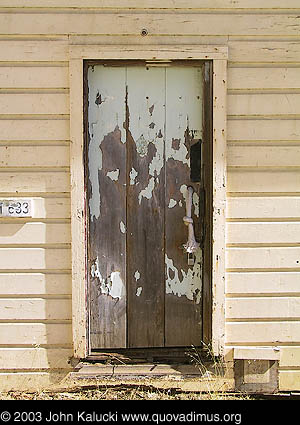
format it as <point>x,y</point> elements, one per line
<point>121,392</point>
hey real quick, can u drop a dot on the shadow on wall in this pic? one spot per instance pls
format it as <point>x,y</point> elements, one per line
<point>35,284</point>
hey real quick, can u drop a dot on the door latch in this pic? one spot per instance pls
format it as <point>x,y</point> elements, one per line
<point>192,245</point>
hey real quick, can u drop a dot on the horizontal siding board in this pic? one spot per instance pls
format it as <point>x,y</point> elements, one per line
<point>263,283</point>
<point>34,129</point>
<point>31,51</point>
<point>264,233</point>
<point>34,77</point>
<point>243,180</point>
<point>34,233</point>
<point>34,103</point>
<point>22,381</point>
<point>262,333</point>
<point>263,207</point>
<point>263,307</point>
<point>273,129</point>
<point>131,23</point>
<point>35,309</point>
<point>289,380</point>
<point>35,258</point>
<point>119,4</point>
<point>35,334</point>
<point>35,358</point>
<point>265,51</point>
<point>51,208</point>
<point>263,258</point>
<point>35,182</point>
<point>239,155</point>
<point>289,357</point>
<point>34,156</point>
<point>263,104</point>
<point>263,78</point>
<point>34,284</point>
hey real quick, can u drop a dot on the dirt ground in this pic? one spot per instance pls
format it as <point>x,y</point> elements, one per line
<point>120,392</point>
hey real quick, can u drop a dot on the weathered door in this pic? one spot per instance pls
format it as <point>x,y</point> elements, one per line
<point>143,152</point>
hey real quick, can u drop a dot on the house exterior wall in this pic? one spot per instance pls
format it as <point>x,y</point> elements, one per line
<point>263,180</point>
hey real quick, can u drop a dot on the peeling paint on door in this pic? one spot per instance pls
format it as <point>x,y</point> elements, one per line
<point>142,124</point>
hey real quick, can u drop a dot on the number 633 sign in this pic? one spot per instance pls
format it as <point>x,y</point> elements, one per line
<point>15,208</point>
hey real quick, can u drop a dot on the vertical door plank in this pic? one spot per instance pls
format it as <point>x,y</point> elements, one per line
<point>183,282</point>
<point>145,206</point>
<point>107,207</point>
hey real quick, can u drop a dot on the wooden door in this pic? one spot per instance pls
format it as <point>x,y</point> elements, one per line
<point>143,152</point>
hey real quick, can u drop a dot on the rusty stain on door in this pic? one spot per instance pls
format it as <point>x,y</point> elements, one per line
<point>144,124</point>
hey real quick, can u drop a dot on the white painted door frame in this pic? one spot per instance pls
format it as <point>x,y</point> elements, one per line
<point>78,53</point>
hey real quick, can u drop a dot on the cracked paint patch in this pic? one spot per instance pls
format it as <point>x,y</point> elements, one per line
<point>122,227</point>
<point>113,175</point>
<point>133,175</point>
<point>190,285</point>
<point>112,285</point>
<point>137,275</point>
<point>147,192</point>
<point>172,203</point>
<point>139,291</point>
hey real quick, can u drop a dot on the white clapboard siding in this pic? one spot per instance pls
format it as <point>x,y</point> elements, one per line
<point>263,78</point>
<point>263,104</point>
<point>245,180</point>
<point>35,334</point>
<point>264,51</point>
<point>263,307</point>
<point>263,283</point>
<point>239,155</point>
<point>50,181</point>
<point>35,258</point>
<point>34,156</point>
<point>35,358</point>
<point>34,129</point>
<point>263,233</point>
<point>263,258</point>
<point>263,207</point>
<point>29,284</point>
<point>119,4</point>
<point>29,51</point>
<point>269,129</point>
<point>262,333</point>
<point>16,309</point>
<point>34,233</point>
<point>34,77</point>
<point>131,23</point>
<point>34,103</point>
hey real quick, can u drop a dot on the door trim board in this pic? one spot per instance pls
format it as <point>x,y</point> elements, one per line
<point>218,55</point>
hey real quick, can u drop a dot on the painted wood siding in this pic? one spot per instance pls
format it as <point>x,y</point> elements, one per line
<point>263,254</point>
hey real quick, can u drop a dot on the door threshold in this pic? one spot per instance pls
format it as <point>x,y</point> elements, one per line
<point>170,355</point>
<point>136,371</point>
